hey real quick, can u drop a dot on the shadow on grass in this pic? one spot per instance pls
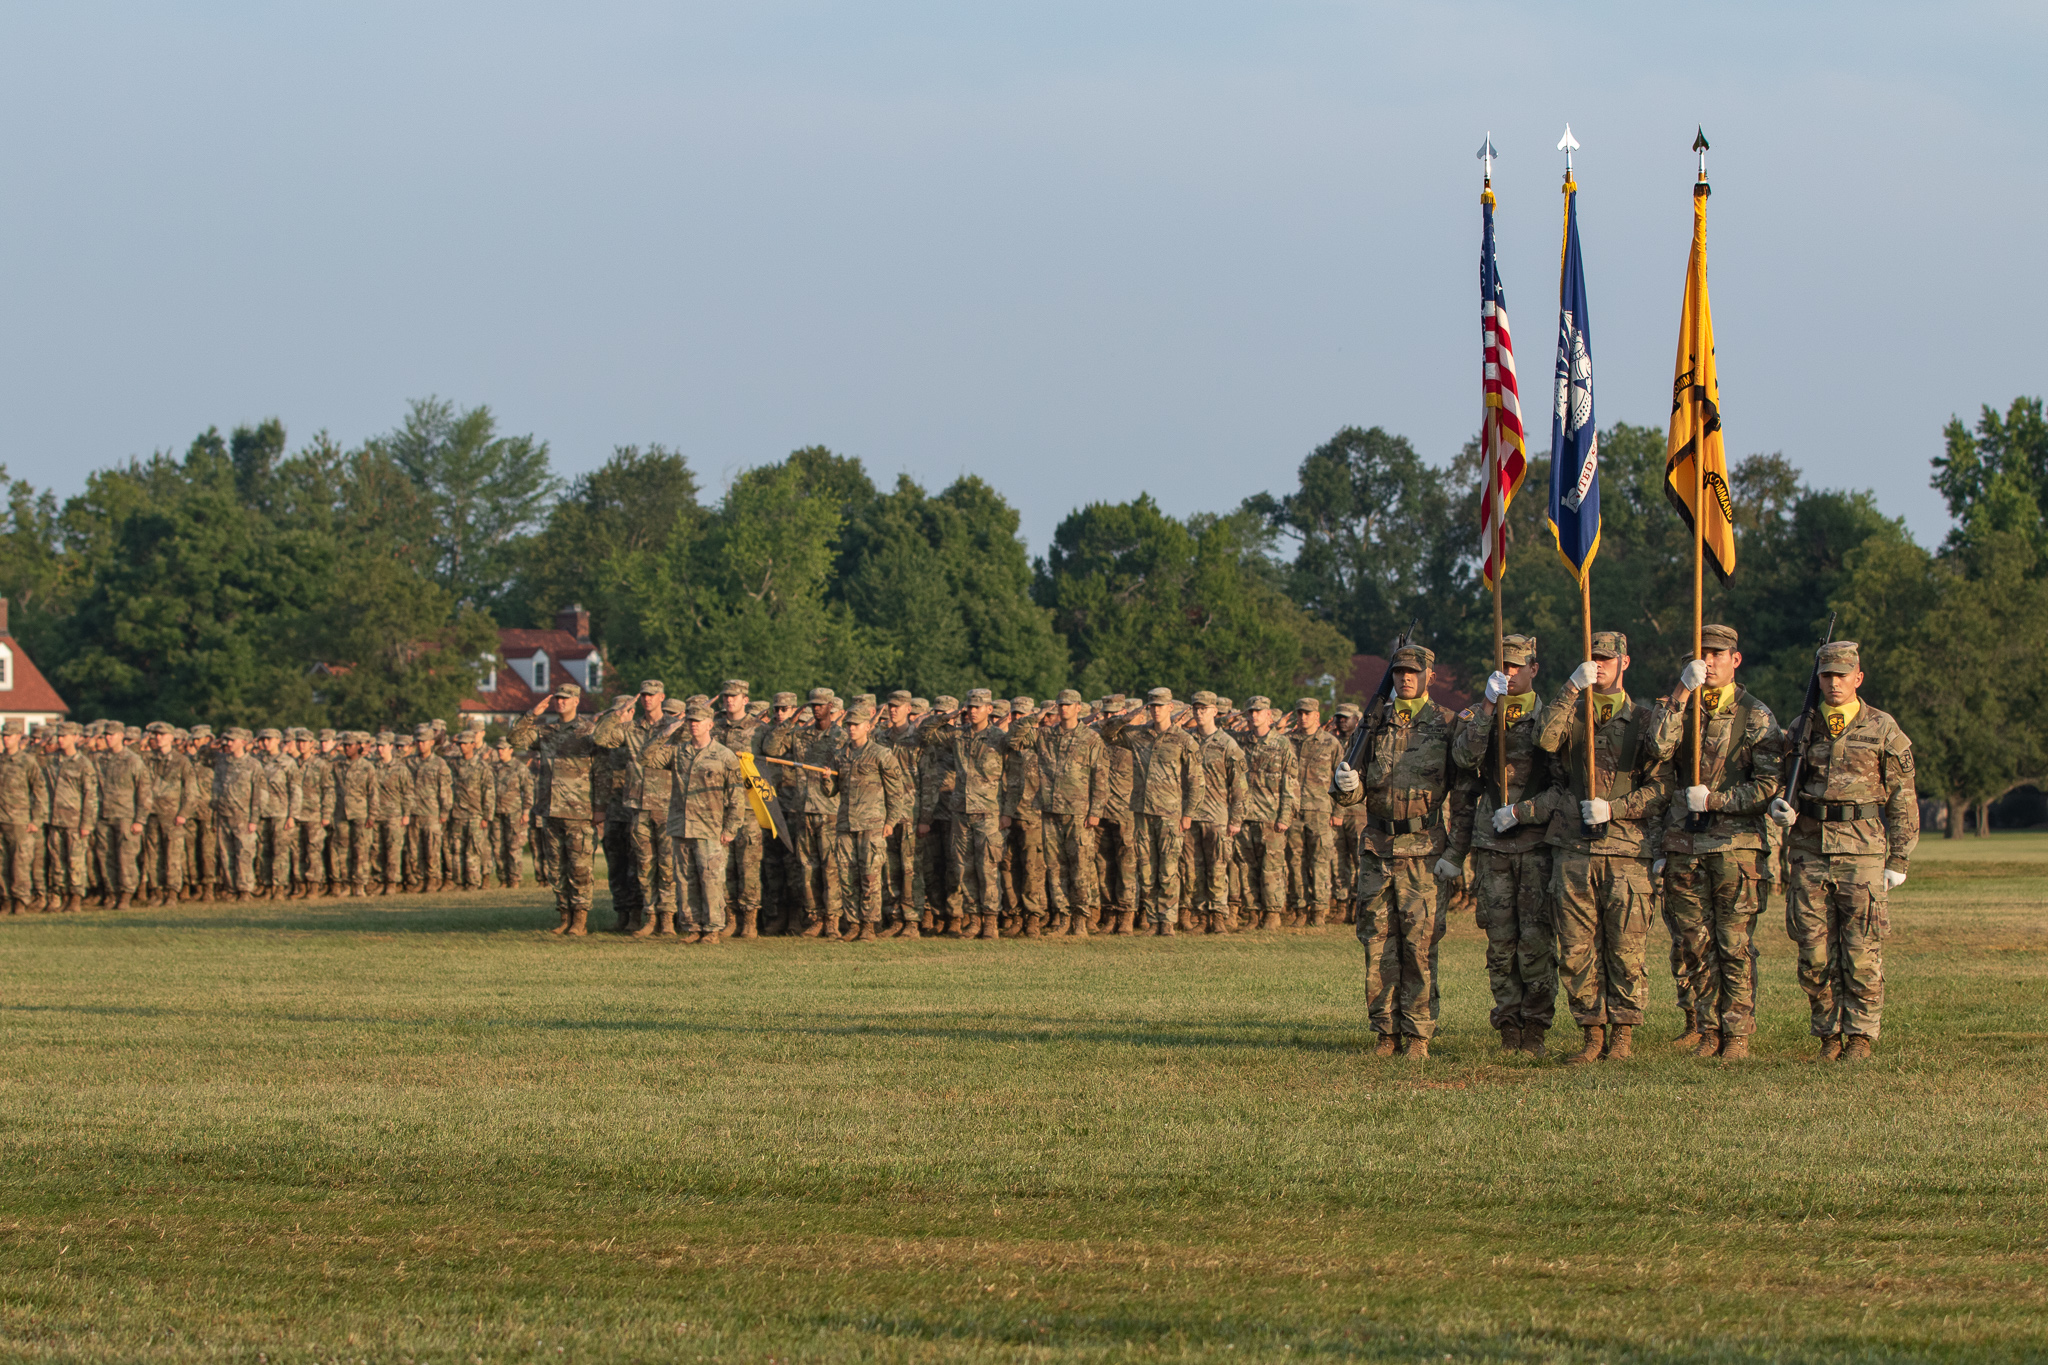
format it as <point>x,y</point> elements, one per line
<point>392,917</point>
<point>1260,1033</point>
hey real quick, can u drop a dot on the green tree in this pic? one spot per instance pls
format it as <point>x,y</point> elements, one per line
<point>1997,474</point>
<point>630,505</point>
<point>34,576</point>
<point>486,492</point>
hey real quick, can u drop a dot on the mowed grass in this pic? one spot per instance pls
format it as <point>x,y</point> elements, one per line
<point>425,1130</point>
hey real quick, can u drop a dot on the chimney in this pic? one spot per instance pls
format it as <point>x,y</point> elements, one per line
<point>573,619</point>
<point>3,616</point>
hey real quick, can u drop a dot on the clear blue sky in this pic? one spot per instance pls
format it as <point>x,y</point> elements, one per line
<point>1084,250</point>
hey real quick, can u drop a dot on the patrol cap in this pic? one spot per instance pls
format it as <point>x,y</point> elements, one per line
<point>438,726</point>
<point>1258,704</point>
<point>569,690</point>
<point>1069,697</point>
<point>1349,708</point>
<point>942,702</point>
<point>202,731</point>
<point>901,698</point>
<point>1717,637</point>
<point>787,699</point>
<point>697,697</point>
<point>1203,698</point>
<point>999,707</point>
<point>1843,656</point>
<point>422,732</point>
<point>1412,659</point>
<point>734,687</point>
<point>1159,696</point>
<point>822,695</point>
<point>155,727</point>
<point>386,737</point>
<point>866,699</point>
<point>920,707</point>
<point>757,708</point>
<point>653,687</point>
<point>1518,649</point>
<point>1223,703</point>
<point>1609,644</point>
<point>70,727</point>
<point>980,696</point>
<point>235,732</point>
<point>13,726</point>
<point>1309,706</point>
<point>670,706</point>
<point>135,732</point>
<point>269,732</point>
<point>861,714</point>
<point>696,710</point>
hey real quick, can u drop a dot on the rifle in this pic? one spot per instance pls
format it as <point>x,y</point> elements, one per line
<point>1801,726</point>
<point>1376,709</point>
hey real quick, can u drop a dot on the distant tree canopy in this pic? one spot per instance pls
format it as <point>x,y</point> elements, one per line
<point>209,585</point>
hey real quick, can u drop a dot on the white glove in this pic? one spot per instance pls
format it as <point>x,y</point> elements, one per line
<point>1505,819</point>
<point>1594,811</point>
<point>1782,812</point>
<point>1496,686</point>
<point>1893,880</point>
<point>1692,675</point>
<point>1696,799</point>
<point>1585,675</point>
<point>1657,868</point>
<point>1347,778</point>
<point>1447,871</point>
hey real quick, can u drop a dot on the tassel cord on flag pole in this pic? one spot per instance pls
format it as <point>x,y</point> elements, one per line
<point>1698,821</point>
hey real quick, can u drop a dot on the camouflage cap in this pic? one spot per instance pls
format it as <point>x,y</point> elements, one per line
<point>157,727</point>
<point>735,687</point>
<point>998,709</point>
<point>980,696</point>
<point>270,732</point>
<point>1518,649</point>
<point>1258,704</point>
<point>1020,705</point>
<point>861,714</point>
<point>13,726</point>
<point>385,737</point>
<point>1309,706</point>
<point>1412,659</point>
<point>1843,656</point>
<point>423,731</point>
<point>1203,698</point>
<point>1717,637</point>
<point>1069,697</point>
<point>438,726</point>
<point>1609,644</point>
<point>326,735</point>
<point>1350,708</point>
<point>920,707</point>
<point>696,710</point>
<point>757,708</point>
<point>235,732</point>
<point>653,687</point>
<point>787,699</point>
<point>202,731</point>
<point>942,702</point>
<point>1159,696</point>
<point>866,699</point>
<point>900,698</point>
<point>71,728</point>
<point>569,690</point>
<point>673,706</point>
<point>1223,703</point>
<point>135,733</point>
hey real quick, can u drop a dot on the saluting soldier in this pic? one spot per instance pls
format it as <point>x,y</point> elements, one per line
<point>1311,837</point>
<point>738,730</point>
<point>1714,876</point>
<point>566,755</point>
<point>1271,812</point>
<point>706,805</point>
<point>874,796</point>
<point>124,805</point>
<point>1401,855</point>
<point>641,837</point>
<point>1166,786</point>
<point>1116,847</point>
<point>24,807</point>
<point>1854,823</point>
<point>1215,819</point>
<point>1024,831</point>
<point>895,728</point>
<point>1511,860</point>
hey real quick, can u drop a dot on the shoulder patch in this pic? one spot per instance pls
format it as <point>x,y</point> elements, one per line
<point>1465,714</point>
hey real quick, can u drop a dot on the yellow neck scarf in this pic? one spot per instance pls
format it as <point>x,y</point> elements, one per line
<point>1410,706</point>
<point>1605,704</point>
<point>1518,704</point>
<point>1715,700</point>
<point>1838,717</point>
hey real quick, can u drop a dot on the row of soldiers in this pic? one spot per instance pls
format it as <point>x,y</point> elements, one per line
<point>115,815</point>
<point>990,817</point>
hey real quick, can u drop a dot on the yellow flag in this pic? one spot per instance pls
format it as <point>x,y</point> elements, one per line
<point>1696,410</point>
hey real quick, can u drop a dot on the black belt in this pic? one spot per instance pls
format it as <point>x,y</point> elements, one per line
<point>1415,826</point>
<point>1839,811</point>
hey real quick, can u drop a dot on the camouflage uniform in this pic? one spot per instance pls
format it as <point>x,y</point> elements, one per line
<point>977,811</point>
<point>874,796</point>
<point>1857,820</point>
<point>316,822</point>
<point>807,808</point>
<point>472,809</point>
<point>278,805</point>
<point>1600,888</point>
<point>900,860</point>
<point>238,796</point>
<point>636,817</point>
<point>1073,790</point>
<point>1312,838</point>
<point>1220,810</point>
<point>512,799</point>
<point>936,783</point>
<point>24,807</point>
<point>568,800</point>
<point>353,837</point>
<point>1024,840</point>
<point>1271,815</point>
<point>1349,833</point>
<point>175,795</point>
<point>124,804</point>
<point>1116,846</point>
<point>202,841</point>
<point>743,856</point>
<point>1400,903</point>
<point>707,804</point>
<point>1166,780</point>
<point>74,805</point>
<point>1714,878</point>
<point>391,797</point>
<point>1513,869</point>
<point>433,797</point>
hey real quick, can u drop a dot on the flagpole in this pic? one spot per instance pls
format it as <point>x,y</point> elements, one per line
<point>1586,566</point>
<point>1489,434</point>
<point>1699,528</point>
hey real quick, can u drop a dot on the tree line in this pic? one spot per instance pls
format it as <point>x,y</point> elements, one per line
<point>208,584</point>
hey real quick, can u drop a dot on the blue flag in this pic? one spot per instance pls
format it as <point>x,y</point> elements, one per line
<point>1574,440</point>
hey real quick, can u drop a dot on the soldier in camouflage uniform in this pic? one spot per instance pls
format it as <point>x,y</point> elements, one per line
<point>1600,886</point>
<point>124,805</point>
<point>640,837</point>
<point>1271,811</point>
<point>894,728</point>
<point>739,732</point>
<point>352,836</point>
<point>277,804</point>
<point>74,806</point>
<point>1347,824</point>
<point>1311,839</point>
<point>432,797</point>
<point>1166,784</point>
<point>707,804</point>
<point>1713,878</point>
<point>874,796</point>
<point>238,796</point>
<point>317,757</point>
<point>1072,789</point>
<point>1023,825</point>
<point>1511,862</point>
<point>514,804</point>
<point>1854,822</point>
<point>974,747</point>
<point>811,736</point>
<point>24,807</point>
<point>936,783</point>
<point>1116,848</point>
<point>202,841</point>
<point>473,808</point>
<point>1215,819</point>
<point>174,794</point>
<point>1401,855</point>
<point>390,812</point>
<point>566,753</point>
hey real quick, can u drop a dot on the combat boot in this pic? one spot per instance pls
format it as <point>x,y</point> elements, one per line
<point>1077,926</point>
<point>1164,929</point>
<point>1031,929</point>
<point>867,933</point>
<point>815,929</point>
<point>1689,1040</point>
<point>1735,1049</point>
<point>1385,1046</point>
<point>1710,1044</point>
<point>73,904</point>
<point>747,926</point>
<point>988,928</point>
<point>665,924</point>
<point>1830,1048</point>
<point>121,901</point>
<point>1596,1038</point>
<point>579,923</point>
<point>909,929</point>
<point>1121,923</point>
<point>647,923</point>
<point>1269,921</point>
<point>563,927</point>
<point>1417,1050</point>
<point>1315,917</point>
<point>1618,1049</point>
<point>1510,1038</point>
<point>1532,1041</point>
<point>1857,1049</point>
<point>385,891</point>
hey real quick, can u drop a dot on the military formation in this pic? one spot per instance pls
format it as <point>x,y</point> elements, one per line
<point>1565,826</point>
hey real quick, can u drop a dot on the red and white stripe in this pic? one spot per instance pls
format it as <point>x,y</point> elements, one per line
<point>1501,441</point>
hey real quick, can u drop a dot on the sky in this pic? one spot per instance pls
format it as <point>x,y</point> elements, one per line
<point>1083,250</point>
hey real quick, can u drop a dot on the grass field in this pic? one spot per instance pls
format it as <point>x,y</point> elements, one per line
<point>425,1130</point>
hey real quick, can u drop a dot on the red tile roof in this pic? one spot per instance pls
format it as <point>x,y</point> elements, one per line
<point>514,691</point>
<point>31,690</point>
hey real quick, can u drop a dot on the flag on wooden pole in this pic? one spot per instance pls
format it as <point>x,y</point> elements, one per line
<point>1696,411</point>
<point>1502,445</point>
<point>1574,440</point>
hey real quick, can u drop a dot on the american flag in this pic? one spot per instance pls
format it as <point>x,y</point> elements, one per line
<point>1500,434</point>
